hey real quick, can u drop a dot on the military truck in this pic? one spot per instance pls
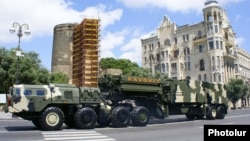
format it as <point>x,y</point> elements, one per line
<point>117,101</point>
<point>49,106</point>
<point>140,99</point>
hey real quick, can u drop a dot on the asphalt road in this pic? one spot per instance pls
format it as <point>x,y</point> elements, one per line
<point>173,128</point>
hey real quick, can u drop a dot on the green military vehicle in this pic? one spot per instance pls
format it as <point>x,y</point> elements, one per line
<point>138,99</point>
<point>117,101</point>
<point>49,106</point>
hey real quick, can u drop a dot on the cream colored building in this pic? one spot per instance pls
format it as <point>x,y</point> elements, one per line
<point>204,51</point>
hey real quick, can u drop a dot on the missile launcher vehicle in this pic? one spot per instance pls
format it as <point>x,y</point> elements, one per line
<point>117,101</point>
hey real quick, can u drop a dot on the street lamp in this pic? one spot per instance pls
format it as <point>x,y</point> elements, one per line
<point>19,28</point>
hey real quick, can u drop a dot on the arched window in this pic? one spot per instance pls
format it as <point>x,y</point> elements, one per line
<point>202,65</point>
<point>167,42</point>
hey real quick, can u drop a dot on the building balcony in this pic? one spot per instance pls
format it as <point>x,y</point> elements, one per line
<point>199,39</point>
<point>229,42</point>
<point>230,55</point>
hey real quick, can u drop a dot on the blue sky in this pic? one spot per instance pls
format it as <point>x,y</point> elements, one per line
<point>123,22</point>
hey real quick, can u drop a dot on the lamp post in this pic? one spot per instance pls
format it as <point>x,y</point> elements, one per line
<point>19,28</point>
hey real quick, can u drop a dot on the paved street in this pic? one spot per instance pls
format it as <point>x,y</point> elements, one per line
<point>174,128</point>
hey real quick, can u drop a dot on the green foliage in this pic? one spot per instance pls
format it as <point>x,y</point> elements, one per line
<point>124,64</point>
<point>59,77</point>
<point>128,68</point>
<point>236,89</point>
<point>29,68</point>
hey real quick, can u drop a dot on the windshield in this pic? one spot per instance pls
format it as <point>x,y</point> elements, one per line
<point>14,91</point>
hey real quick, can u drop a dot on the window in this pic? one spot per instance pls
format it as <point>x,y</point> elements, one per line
<point>199,34</point>
<point>202,65</point>
<point>215,77</point>
<point>40,92</point>
<point>162,55</point>
<point>188,51</point>
<point>162,67</point>
<point>176,53</point>
<point>187,36</point>
<point>218,61</point>
<point>221,45</point>
<point>200,48</point>
<point>187,66</point>
<point>167,42</point>
<point>211,45</point>
<point>199,77</point>
<point>184,39</point>
<point>213,61</point>
<point>27,92</point>
<point>219,77</point>
<point>217,44</point>
<point>175,40</point>
<point>173,67</point>
<point>158,57</point>
<point>205,77</point>
<point>18,91</point>
<point>216,28</point>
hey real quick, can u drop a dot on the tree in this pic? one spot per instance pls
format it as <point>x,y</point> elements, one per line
<point>59,77</point>
<point>129,68</point>
<point>124,64</point>
<point>30,70</point>
<point>235,90</point>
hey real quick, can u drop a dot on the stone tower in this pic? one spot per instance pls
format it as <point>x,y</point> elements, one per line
<point>62,49</point>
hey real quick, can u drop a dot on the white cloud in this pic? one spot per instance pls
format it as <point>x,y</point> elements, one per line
<point>240,41</point>
<point>43,15</point>
<point>111,40</point>
<point>132,50</point>
<point>173,5</point>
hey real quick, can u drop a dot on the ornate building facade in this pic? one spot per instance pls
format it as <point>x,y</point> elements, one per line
<point>205,51</point>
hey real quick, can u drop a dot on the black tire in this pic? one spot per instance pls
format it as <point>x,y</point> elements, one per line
<point>103,119</point>
<point>221,112</point>
<point>120,117</point>
<point>190,116</point>
<point>69,121</point>
<point>140,116</point>
<point>200,116</point>
<point>85,118</point>
<point>36,122</point>
<point>211,113</point>
<point>52,118</point>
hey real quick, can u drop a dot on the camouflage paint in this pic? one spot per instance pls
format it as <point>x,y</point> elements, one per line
<point>53,94</point>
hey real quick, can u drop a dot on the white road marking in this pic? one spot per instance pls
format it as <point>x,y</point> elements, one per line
<point>75,135</point>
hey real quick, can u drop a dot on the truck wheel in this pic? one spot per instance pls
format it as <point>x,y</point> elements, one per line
<point>36,122</point>
<point>69,121</point>
<point>190,116</point>
<point>212,113</point>
<point>51,119</point>
<point>140,116</point>
<point>199,116</point>
<point>85,118</point>
<point>120,117</point>
<point>221,112</point>
<point>102,118</point>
